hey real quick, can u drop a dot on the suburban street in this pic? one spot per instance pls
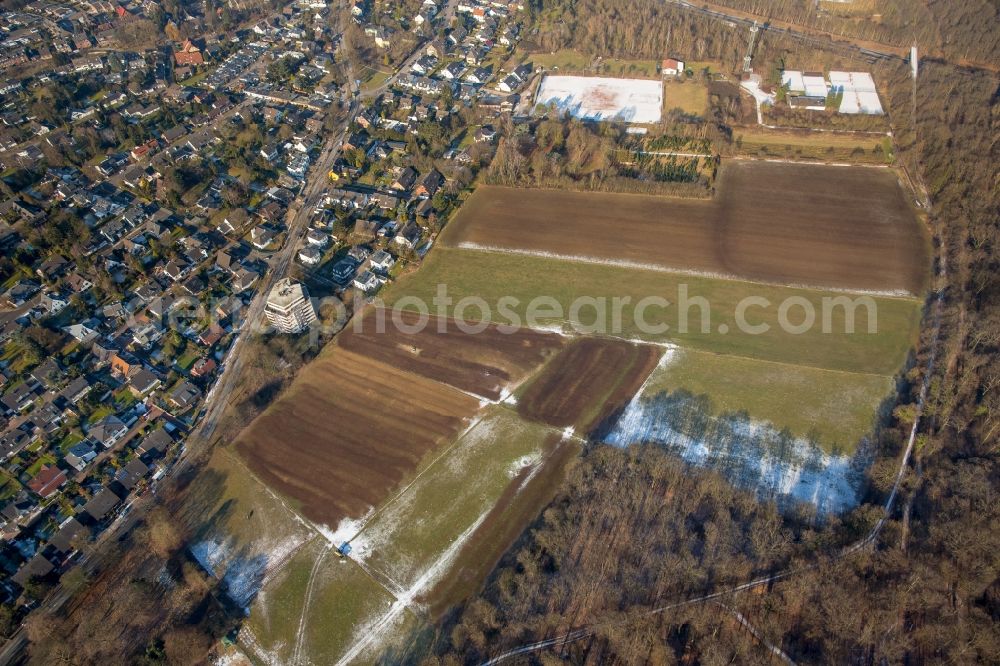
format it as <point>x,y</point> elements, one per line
<point>298,224</point>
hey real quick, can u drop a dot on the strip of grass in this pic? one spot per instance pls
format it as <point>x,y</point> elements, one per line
<point>274,619</point>
<point>834,409</point>
<point>9,486</point>
<point>870,149</point>
<point>492,275</point>
<point>343,600</point>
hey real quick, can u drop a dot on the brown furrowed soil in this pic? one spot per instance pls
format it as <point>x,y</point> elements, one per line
<point>816,225</point>
<point>587,383</point>
<point>348,431</point>
<point>483,363</point>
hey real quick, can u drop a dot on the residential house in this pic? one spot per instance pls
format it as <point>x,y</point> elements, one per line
<point>184,395</point>
<point>671,67</point>
<point>143,382</point>
<point>405,180</point>
<point>107,431</point>
<point>48,480</point>
<point>381,261</point>
<point>243,279</point>
<point>367,281</point>
<point>310,256</point>
<point>76,390</point>
<point>128,477</point>
<point>409,236</point>
<point>203,367</point>
<point>81,332</point>
<point>71,532</point>
<point>155,444</point>
<point>430,184</point>
<point>80,455</point>
<point>101,505</point>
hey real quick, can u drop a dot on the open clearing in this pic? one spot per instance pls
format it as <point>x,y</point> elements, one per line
<point>834,409</point>
<point>483,363</point>
<point>588,383</point>
<point>492,275</point>
<point>600,98</point>
<point>812,225</point>
<point>348,431</point>
<point>690,97</point>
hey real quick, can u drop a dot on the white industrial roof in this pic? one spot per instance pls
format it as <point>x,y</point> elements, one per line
<point>815,85</point>
<point>792,79</point>
<point>859,94</point>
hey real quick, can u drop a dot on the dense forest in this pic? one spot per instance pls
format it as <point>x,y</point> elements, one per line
<point>630,531</point>
<point>964,31</point>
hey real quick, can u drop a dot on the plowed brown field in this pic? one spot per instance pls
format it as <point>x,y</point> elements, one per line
<point>348,431</point>
<point>481,363</point>
<point>587,383</point>
<point>798,224</point>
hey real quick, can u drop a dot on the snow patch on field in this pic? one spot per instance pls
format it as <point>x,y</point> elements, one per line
<point>373,634</point>
<point>750,454</point>
<point>243,571</point>
<point>346,530</point>
<point>601,98</point>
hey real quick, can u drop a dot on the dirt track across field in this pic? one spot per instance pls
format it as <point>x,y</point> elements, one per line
<point>587,383</point>
<point>483,363</point>
<point>812,225</point>
<point>348,431</point>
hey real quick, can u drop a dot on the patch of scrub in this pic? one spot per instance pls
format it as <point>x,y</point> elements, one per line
<point>749,454</point>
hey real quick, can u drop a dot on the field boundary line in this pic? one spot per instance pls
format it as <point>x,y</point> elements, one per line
<point>900,294</point>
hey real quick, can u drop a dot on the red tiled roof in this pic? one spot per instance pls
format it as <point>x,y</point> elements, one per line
<point>47,481</point>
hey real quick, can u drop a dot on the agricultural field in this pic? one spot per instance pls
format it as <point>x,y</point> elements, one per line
<point>494,275</point>
<point>425,547</point>
<point>811,225</point>
<point>834,409</point>
<point>828,146</point>
<point>348,431</point>
<point>589,382</point>
<point>425,454</point>
<point>425,469</point>
<point>484,363</point>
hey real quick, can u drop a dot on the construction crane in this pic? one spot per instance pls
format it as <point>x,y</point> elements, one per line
<point>754,29</point>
